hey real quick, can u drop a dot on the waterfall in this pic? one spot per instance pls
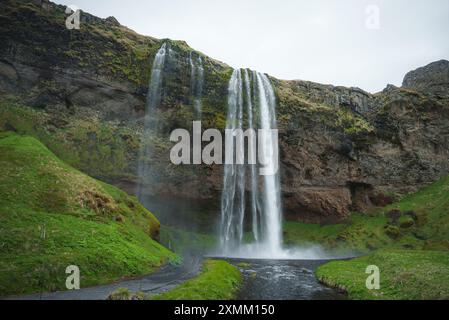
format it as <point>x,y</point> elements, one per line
<point>150,121</point>
<point>196,83</point>
<point>256,93</point>
<point>271,187</point>
<point>253,167</point>
<point>233,196</point>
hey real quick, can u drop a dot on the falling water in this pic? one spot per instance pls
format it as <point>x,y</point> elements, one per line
<point>150,120</point>
<point>271,189</point>
<point>255,207</point>
<point>265,205</point>
<point>233,196</point>
<point>196,83</point>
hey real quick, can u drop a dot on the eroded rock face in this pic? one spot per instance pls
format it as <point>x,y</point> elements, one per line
<point>83,94</point>
<point>432,78</point>
<point>318,204</point>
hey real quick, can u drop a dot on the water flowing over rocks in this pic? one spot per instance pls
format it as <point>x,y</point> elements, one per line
<point>340,148</point>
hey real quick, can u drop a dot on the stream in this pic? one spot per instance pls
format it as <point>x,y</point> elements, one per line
<point>282,280</point>
<point>262,280</point>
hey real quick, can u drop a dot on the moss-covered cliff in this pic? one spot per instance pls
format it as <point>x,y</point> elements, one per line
<point>83,92</point>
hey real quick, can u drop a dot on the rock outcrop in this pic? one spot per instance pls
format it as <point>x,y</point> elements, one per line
<point>83,93</point>
<point>432,78</point>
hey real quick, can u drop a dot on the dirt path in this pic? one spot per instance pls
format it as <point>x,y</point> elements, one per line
<point>163,280</point>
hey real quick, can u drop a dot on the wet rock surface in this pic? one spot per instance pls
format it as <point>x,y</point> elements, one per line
<point>83,92</point>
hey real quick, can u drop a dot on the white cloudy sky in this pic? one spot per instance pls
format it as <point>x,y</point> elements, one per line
<point>325,41</point>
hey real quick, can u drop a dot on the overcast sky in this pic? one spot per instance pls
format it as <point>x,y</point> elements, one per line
<point>340,42</point>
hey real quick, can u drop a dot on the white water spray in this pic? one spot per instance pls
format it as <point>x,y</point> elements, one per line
<point>150,120</point>
<point>271,187</point>
<point>265,204</point>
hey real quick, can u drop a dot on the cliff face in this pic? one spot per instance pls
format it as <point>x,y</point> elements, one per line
<point>356,160</point>
<point>432,78</point>
<point>83,93</point>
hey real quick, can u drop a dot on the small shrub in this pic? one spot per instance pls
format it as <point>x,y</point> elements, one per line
<point>120,294</point>
<point>392,231</point>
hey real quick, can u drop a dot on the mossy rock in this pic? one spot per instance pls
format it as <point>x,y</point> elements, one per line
<point>244,265</point>
<point>406,222</point>
<point>392,231</point>
<point>412,214</point>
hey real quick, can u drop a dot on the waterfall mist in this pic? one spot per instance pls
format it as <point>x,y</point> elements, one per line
<point>257,235</point>
<point>251,220</point>
<point>176,214</point>
<point>254,94</point>
<point>150,123</point>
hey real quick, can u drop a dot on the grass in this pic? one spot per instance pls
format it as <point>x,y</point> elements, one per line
<point>431,204</point>
<point>218,280</point>
<point>100,149</point>
<point>404,274</point>
<point>366,232</point>
<point>181,241</point>
<point>53,216</point>
<point>422,273</point>
<point>359,234</point>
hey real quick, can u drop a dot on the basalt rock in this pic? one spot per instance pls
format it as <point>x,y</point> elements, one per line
<point>83,93</point>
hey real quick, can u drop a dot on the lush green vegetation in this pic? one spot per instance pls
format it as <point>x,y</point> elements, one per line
<point>295,104</point>
<point>218,280</point>
<point>431,205</point>
<point>181,241</point>
<point>359,234</point>
<point>98,148</point>
<point>419,221</point>
<point>404,274</point>
<point>423,223</point>
<point>53,216</point>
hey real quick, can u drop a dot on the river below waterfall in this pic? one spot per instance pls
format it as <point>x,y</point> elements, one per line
<point>282,280</point>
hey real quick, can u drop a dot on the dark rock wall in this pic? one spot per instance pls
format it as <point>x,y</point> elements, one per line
<point>83,93</point>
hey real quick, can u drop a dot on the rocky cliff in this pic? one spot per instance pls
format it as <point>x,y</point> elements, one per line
<point>83,93</point>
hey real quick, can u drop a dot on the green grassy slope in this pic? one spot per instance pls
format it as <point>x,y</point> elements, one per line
<point>181,241</point>
<point>404,274</point>
<point>52,216</point>
<point>422,273</point>
<point>359,234</point>
<point>432,207</point>
<point>218,280</point>
<point>429,229</point>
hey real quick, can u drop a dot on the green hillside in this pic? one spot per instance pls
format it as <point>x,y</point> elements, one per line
<point>419,221</point>
<point>53,216</point>
<point>404,274</point>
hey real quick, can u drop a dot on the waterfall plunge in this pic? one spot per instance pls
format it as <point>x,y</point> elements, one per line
<point>150,123</point>
<point>196,83</point>
<point>256,93</point>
